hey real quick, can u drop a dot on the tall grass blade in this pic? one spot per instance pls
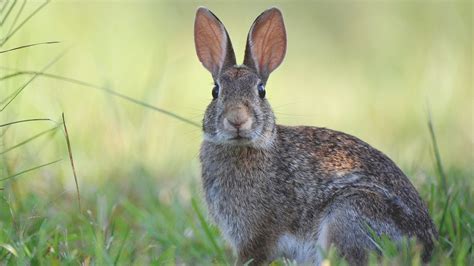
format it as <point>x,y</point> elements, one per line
<point>66,134</point>
<point>167,258</point>
<point>28,140</point>
<point>121,247</point>
<point>439,164</point>
<point>9,248</point>
<point>445,212</point>
<point>28,46</point>
<point>15,20</point>
<point>15,94</point>
<point>12,75</point>
<point>13,30</point>
<point>7,14</point>
<point>107,90</point>
<point>25,121</point>
<point>4,6</point>
<point>207,230</point>
<point>30,169</point>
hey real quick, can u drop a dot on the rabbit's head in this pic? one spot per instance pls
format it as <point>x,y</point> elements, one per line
<point>239,113</point>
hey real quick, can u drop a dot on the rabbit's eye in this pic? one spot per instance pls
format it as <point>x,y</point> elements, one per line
<point>215,91</point>
<point>261,90</point>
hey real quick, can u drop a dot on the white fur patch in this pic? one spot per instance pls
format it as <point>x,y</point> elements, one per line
<point>305,250</point>
<point>302,251</point>
<point>322,244</point>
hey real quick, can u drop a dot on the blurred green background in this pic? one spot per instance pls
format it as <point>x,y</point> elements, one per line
<point>373,69</point>
<point>368,69</point>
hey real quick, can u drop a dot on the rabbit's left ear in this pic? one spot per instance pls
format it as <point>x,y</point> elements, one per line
<point>213,45</point>
<point>266,43</point>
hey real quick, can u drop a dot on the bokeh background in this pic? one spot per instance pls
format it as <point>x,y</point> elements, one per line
<point>374,69</point>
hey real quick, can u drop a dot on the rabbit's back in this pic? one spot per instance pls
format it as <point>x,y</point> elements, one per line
<point>325,156</point>
<point>342,171</point>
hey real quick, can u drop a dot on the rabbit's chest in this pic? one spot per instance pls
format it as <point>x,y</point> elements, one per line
<point>237,206</point>
<point>238,189</point>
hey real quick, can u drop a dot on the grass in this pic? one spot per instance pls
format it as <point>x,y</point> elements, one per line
<point>138,223</point>
<point>146,210</point>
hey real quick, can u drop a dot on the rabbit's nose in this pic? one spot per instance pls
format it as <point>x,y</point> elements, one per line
<point>237,119</point>
<point>236,125</point>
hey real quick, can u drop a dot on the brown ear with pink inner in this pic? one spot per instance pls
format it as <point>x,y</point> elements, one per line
<point>266,43</point>
<point>213,45</point>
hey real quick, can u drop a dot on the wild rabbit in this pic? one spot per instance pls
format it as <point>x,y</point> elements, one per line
<point>277,190</point>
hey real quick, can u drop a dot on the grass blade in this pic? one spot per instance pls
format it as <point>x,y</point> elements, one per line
<point>72,162</point>
<point>439,164</point>
<point>107,90</point>
<point>8,12</point>
<point>121,247</point>
<point>24,121</point>
<point>15,20</point>
<point>207,229</point>
<point>4,6</point>
<point>443,216</point>
<point>30,169</point>
<point>12,75</point>
<point>9,248</point>
<point>27,46</point>
<point>29,81</point>
<point>28,140</point>
<point>13,30</point>
<point>167,258</point>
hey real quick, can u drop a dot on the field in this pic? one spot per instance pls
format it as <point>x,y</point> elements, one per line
<point>122,185</point>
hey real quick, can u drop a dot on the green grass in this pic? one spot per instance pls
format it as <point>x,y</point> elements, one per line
<point>135,162</point>
<point>138,223</point>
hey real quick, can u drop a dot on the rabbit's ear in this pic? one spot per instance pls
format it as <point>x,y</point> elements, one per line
<point>266,43</point>
<point>213,45</point>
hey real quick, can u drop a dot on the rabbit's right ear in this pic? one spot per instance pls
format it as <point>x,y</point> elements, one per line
<point>213,45</point>
<point>266,43</point>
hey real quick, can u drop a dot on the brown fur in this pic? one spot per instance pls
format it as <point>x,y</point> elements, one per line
<point>288,191</point>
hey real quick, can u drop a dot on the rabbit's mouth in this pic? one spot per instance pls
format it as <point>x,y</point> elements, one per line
<point>239,137</point>
<point>239,141</point>
<point>249,138</point>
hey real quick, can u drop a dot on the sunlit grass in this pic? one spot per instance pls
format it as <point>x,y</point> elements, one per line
<point>133,93</point>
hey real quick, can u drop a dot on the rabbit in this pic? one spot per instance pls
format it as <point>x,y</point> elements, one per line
<point>291,191</point>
